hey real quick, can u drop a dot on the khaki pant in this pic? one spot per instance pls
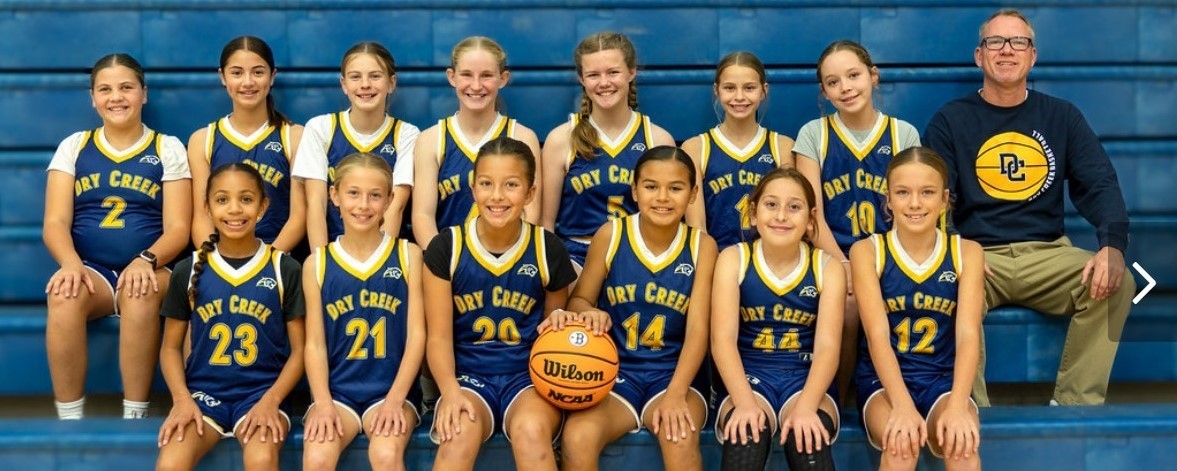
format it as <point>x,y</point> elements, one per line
<point>1044,276</point>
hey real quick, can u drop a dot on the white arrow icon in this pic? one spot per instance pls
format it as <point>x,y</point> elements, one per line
<point>1147,288</point>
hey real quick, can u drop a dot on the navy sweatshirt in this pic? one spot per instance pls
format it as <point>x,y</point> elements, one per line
<point>1007,167</point>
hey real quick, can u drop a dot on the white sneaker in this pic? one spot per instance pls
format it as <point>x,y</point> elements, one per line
<point>1053,402</point>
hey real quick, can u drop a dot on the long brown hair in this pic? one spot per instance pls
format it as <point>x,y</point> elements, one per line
<point>584,135</point>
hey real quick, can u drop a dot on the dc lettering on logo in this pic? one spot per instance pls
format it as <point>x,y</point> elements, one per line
<point>809,292</point>
<point>267,282</point>
<point>767,159</point>
<point>638,147</point>
<point>208,400</point>
<point>149,159</point>
<point>392,272</point>
<point>387,149</point>
<point>684,269</point>
<point>885,150</point>
<point>274,146</point>
<point>471,381</point>
<point>1011,167</point>
<point>947,277</point>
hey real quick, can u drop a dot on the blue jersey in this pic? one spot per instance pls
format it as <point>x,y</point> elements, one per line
<point>778,316</point>
<point>365,317</point>
<point>647,296</point>
<point>854,180</point>
<point>118,200</point>
<point>599,189</point>
<point>343,144</point>
<point>238,326</point>
<point>729,174</point>
<point>921,303</point>
<point>455,169</point>
<point>498,301</point>
<point>269,152</point>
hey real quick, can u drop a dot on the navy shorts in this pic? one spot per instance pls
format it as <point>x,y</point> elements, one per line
<point>637,389</point>
<point>577,251</point>
<point>777,387</point>
<point>225,416</point>
<point>498,393</point>
<point>110,276</point>
<point>359,408</point>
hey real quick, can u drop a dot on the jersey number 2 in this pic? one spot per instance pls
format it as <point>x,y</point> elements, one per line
<point>117,206</point>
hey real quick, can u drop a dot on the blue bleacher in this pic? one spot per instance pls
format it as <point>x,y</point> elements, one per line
<point>1116,60</point>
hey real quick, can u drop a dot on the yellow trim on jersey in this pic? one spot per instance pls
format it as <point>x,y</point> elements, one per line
<point>243,145</point>
<point>159,146</point>
<point>894,136</point>
<point>257,265</point>
<point>441,134</point>
<point>957,261</point>
<point>819,266</point>
<point>695,236</point>
<point>626,136</point>
<point>825,140</point>
<point>381,134</point>
<point>752,150</point>
<point>284,136</point>
<point>774,148</point>
<point>541,255</point>
<point>276,261</point>
<point>766,275</point>
<point>498,268</point>
<point>331,129</point>
<point>880,254</point>
<point>455,249</point>
<point>671,253</point>
<point>704,152</point>
<point>496,131</point>
<point>917,277</point>
<point>320,265</point>
<point>573,118</point>
<point>511,127</point>
<point>86,135</point>
<point>614,243</point>
<point>210,135</point>
<point>872,138</point>
<point>745,252</point>
<point>402,255</point>
<point>118,157</point>
<point>355,271</point>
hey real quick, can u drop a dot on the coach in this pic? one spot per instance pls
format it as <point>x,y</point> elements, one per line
<point>1009,149</point>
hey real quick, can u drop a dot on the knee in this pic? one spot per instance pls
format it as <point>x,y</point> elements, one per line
<point>531,433</point>
<point>171,462</point>
<point>464,446</point>
<point>261,458</point>
<point>315,458</point>
<point>386,456</point>
<point>683,447</point>
<point>579,446</point>
<point>898,461</point>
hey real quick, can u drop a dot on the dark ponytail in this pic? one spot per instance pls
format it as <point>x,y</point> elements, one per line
<point>198,266</point>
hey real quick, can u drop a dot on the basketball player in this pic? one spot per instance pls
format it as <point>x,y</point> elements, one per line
<point>920,291</point>
<point>844,155</point>
<point>776,343</point>
<point>647,282</point>
<point>444,160</point>
<point>242,302</point>
<point>257,134</point>
<point>367,77</point>
<point>735,154</point>
<point>1009,150</point>
<point>117,209</point>
<point>505,276</point>
<point>587,161</point>
<point>365,327</point>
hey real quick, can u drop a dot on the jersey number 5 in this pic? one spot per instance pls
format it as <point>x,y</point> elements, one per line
<point>243,356</point>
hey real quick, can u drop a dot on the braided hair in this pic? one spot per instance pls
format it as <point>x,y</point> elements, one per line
<point>584,135</point>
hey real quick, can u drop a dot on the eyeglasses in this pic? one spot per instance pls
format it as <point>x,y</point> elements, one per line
<point>996,43</point>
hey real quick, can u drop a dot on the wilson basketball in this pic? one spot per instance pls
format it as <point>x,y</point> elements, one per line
<point>572,368</point>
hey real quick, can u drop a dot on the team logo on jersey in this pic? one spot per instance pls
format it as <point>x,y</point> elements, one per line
<point>638,147</point>
<point>767,159</point>
<point>527,269</point>
<point>806,357</point>
<point>205,398</point>
<point>947,276</point>
<point>267,282</point>
<point>753,379</point>
<point>387,149</point>
<point>809,292</point>
<point>885,150</point>
<point>274,146</point>
<point>149,159</point>
<point>392,272</point>
<point>685,269</point>
<point>471,381</point>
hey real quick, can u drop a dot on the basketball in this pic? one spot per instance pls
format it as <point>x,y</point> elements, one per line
<point>1012,166</point>
<point>572,368</point>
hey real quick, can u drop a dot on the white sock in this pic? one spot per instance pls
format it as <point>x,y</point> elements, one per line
<point>71,410</point>
<point>134,410</point>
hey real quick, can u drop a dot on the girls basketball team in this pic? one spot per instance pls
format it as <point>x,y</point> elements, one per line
<point>516,242</point>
